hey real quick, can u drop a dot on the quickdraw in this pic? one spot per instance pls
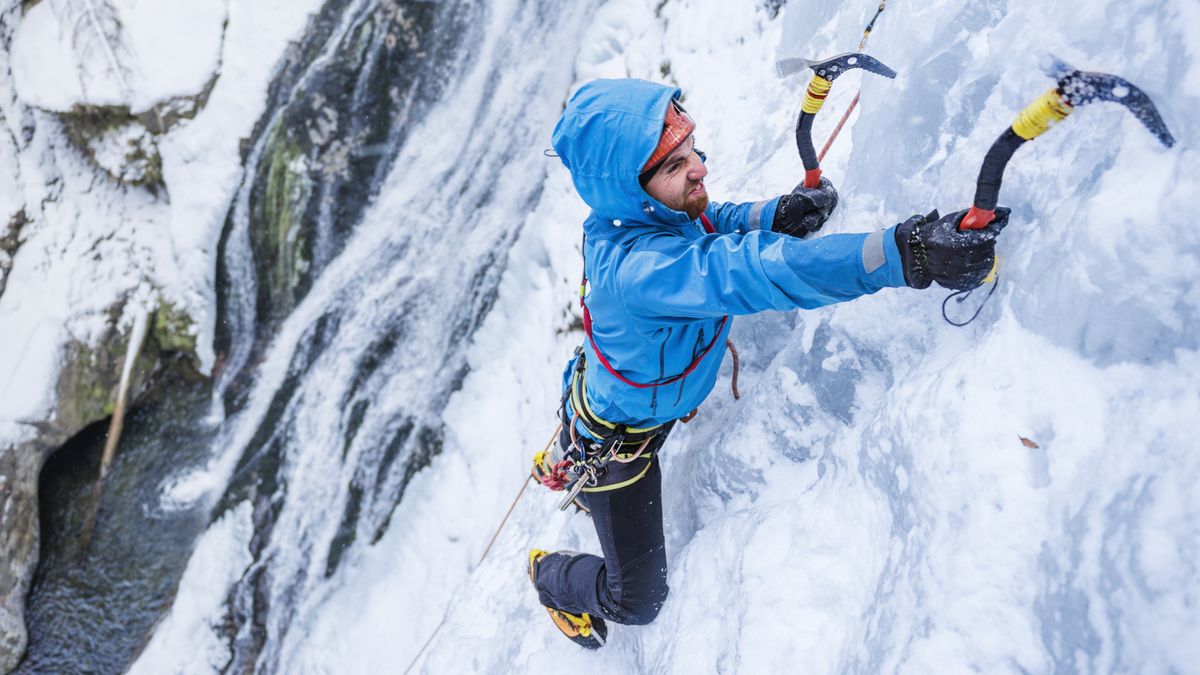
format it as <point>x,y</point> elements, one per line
<point>589,467</point>
<point>553,476</point>
<point>582,469</point>
<point>586,461</point>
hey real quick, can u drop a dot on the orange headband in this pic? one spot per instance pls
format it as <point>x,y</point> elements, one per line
<point>677,126</point>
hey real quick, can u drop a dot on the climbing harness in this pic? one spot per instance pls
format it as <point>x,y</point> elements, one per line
<point>589,464</point>
<point>585,462</point>
<point>1073,89</point>
<point>825,72</point>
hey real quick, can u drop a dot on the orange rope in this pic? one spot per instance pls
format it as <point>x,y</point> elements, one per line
<point>854,103</point>
<point>737,365</point>
<point>520,493</point>
<point>840,124</point>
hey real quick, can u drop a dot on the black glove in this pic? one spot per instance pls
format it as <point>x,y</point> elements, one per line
<point>934,249</point>
<point>805,210</point>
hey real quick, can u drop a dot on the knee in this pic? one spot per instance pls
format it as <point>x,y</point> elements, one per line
<point>641,609</point>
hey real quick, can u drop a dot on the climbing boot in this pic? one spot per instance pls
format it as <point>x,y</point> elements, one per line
<point>583,629</point>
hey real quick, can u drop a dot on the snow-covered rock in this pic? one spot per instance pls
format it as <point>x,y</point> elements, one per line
<point>131,53</point>
<point>81,252</point>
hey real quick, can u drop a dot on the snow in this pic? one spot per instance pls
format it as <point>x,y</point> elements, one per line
<point>135,53</point>
<point>185,641</point>
<point>95,243</point>
<point>202,159</point>
<point>87,251</point>
<point>868,505</point>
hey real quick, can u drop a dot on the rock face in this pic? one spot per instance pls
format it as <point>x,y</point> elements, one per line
<point>87,389</point>
<point>81,206</point>
<point>19,468</point>
<point>10,238</point>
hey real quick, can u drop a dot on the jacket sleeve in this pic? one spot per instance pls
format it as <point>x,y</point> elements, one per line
<point>730,218</point>
<point>669,277</point>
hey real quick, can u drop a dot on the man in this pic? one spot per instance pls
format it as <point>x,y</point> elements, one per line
<point>667,269</point>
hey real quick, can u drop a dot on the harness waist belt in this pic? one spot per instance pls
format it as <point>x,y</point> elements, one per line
<point>596,425</point>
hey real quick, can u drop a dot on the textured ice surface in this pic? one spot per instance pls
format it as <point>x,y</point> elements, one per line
<point>868,505</point>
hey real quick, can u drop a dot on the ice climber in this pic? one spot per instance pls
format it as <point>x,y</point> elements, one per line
<point>667,270</point>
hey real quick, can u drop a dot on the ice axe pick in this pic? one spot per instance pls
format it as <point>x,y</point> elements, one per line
<point>1073,89</point>
<point>824,73</point>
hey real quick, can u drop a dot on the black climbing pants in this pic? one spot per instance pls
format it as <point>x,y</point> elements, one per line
<point>629,584</point>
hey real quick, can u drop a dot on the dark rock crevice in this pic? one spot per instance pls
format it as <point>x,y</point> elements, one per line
<point>85,395</point>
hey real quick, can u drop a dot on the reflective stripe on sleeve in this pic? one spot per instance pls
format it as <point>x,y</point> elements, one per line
<point>872,252</point>
<point>755,220</point>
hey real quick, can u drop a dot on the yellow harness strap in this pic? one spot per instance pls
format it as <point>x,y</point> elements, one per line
<point>617,486</point>
<point>584,409</point>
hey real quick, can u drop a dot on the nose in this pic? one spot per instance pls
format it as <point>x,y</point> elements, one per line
<point>696,168</point>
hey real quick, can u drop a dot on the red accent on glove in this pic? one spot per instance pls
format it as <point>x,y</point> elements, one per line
<point>977,218</point>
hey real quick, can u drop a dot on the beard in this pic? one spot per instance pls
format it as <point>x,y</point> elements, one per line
<point>694,206</point>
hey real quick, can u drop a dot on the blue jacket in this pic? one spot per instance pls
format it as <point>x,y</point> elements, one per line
<point>659,285</point>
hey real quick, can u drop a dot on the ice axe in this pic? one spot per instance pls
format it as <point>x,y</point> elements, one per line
<point>824,73</point>
<point>1074,88</point>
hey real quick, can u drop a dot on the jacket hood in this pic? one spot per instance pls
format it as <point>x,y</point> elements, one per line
<point>604,137</point>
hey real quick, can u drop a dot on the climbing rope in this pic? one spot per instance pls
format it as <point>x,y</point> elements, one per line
<point>737,366</point>
<point>488,549</point>
<point>854,102</point>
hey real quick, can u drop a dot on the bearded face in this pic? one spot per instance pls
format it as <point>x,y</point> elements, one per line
<point>679,181</point>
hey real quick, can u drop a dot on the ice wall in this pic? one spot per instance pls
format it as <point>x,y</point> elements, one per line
<point>868,505</point>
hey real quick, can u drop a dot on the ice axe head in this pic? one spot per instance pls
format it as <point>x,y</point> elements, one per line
<point>830,68</point>
<point>1081,88</point>
<point>1073,88</point>
<point>824,73</point>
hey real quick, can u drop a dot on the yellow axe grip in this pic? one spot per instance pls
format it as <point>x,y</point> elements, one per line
<point>1049,109</point>
<point>818,87</point>
<point>991,276</point>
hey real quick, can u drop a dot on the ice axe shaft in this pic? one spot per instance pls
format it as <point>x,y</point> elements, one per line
<point>1074,88</point>
<point>824,73</point>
